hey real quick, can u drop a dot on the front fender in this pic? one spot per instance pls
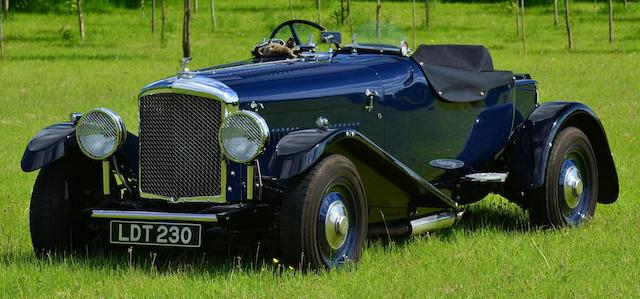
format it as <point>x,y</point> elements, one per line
<point>59,140</point>
<point>48,145</point>
<point>300,150</point>
<point>531,145</point>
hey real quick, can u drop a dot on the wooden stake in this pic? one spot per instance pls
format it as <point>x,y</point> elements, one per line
<point>80,19</point>
<point>341,12</point>
<point>568,24</point>
<point>378,8</point>
<point>213,15</point>
<point>318,8</point>
<point>164,23</point>
<point>291,8</point>
<point>153,16</point>
<point>186,30</point>
<point>1,40</point>
<point>350,20</point>
<point>413,23</point>
<point>555,13</point>
<point>524,33</point>
<point>611,21</point>
<point>427,16</point>
<point>518,28</point>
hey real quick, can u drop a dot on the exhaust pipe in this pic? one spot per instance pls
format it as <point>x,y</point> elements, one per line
<point>434,222</point>
<point>415,226</point>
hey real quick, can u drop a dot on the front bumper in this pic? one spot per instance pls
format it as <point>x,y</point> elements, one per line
<point>220,224</point>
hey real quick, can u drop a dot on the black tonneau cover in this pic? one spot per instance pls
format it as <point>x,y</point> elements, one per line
<point>460,73</point>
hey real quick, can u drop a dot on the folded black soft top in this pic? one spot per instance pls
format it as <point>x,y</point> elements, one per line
<point>460,73</point>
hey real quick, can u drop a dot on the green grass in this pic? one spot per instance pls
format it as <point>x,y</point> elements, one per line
<point>492,252</point>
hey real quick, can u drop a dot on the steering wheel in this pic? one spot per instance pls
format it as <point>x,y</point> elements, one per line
<point>290,24</point>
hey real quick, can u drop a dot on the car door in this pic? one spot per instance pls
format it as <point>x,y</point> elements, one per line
<point>422,128</point>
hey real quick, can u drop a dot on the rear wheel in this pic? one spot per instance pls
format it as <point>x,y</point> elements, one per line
<point>324,221</point>
<point>571,183</point>
<point>60,192</point>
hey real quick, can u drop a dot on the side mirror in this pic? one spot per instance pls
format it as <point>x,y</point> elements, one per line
<point>329,37</point>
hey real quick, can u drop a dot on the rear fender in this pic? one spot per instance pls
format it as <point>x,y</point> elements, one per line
<point>531,145</point>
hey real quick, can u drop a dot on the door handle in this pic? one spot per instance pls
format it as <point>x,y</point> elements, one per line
<point>371,96</point>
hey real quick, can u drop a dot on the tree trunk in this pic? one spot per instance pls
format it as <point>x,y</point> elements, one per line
<point>142,8</point>
<point>566,20</point>
<point>1,39</point>
<point>555,13</point>
<point>164,23</point>
<point>291,8</point>
<point>213,15</point>
<point>341,12</point>
<point>153,16</point>
<point>595,8</point>
<point>318,8</point>
<point>6,6</point>
<point>378,7</point>
<point>195,6</point>
<point>611,21</point>
<point>186,29</point>
<point>524,32</point>
<point>350,20</point>
<point>80,19</point>
<point>427,16</point>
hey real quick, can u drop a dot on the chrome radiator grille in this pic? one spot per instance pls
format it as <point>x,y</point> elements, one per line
<point>179,151</point>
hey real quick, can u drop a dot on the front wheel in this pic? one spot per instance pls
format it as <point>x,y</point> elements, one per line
<point>324,220</point>
<point>571,182</point>
<point>61,190</point>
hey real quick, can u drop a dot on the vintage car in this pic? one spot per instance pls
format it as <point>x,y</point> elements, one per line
<point>313,150</point>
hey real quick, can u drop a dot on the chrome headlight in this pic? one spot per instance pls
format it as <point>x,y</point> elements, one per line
<point>243,135</point>
<point>100,133</point>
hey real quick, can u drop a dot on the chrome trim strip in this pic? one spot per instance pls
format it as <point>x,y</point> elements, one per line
<point>144,215</point>
<point>434,222</point>
<point>198,86</point>
<point>214,198</point>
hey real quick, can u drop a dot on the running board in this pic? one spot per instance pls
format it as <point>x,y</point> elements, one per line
<point>434,222</point>
<point>144,215</point>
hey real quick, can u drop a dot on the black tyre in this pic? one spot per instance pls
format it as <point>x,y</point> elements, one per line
<point>571,182</point>
<point>60,192</point>
<point>324,220</point>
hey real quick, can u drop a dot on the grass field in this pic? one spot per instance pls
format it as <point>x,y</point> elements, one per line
<point>492,252</point>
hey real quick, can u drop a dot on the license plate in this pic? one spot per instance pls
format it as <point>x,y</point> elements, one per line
<point>155,233</point>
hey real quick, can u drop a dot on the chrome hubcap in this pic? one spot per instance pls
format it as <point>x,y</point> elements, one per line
<point>572,186</point>
<point>336,225</point>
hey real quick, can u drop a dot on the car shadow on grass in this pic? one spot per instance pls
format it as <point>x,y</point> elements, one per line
<point>494,215</point>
